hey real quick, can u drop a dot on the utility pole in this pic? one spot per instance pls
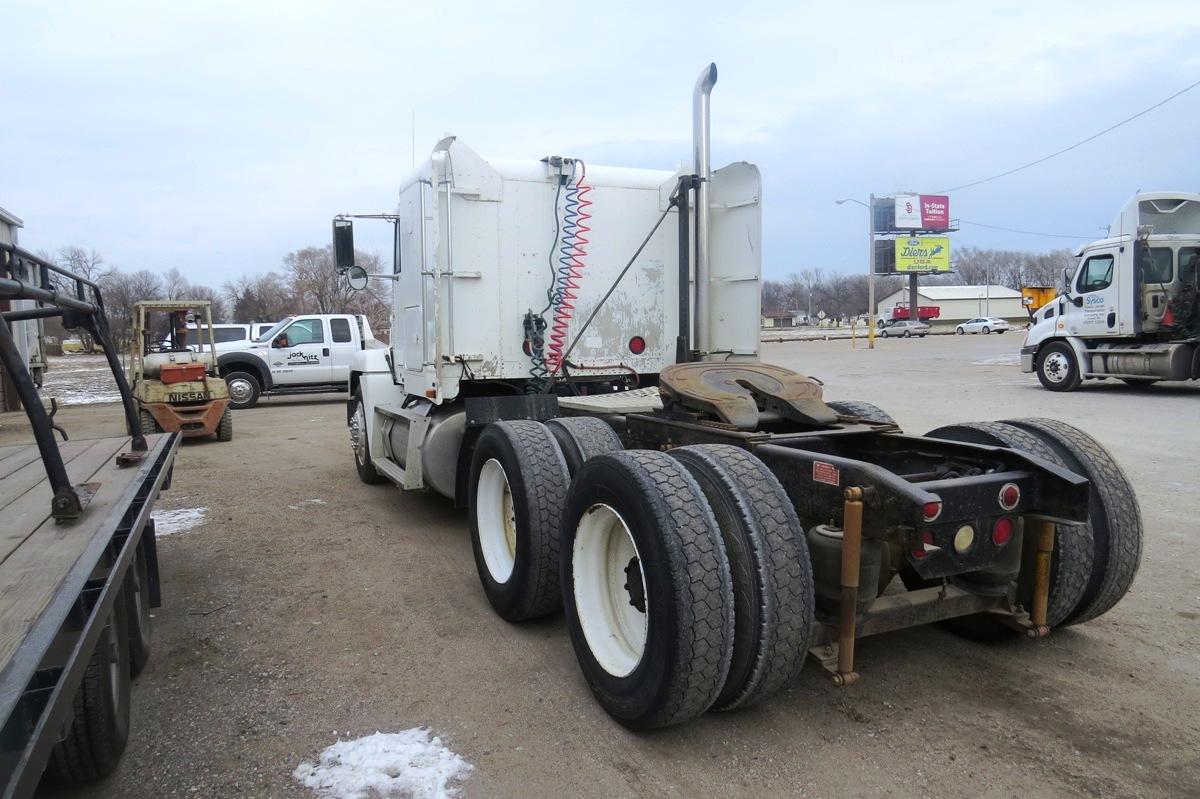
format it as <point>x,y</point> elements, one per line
<point>871,274</point>
<point>871,261</point>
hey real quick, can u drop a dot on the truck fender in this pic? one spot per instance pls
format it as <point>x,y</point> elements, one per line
<point>241,362</point>
<point>463,475</point>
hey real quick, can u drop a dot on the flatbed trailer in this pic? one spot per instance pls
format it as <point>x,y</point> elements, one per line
<point>78,562</point>
<point>59,584</point>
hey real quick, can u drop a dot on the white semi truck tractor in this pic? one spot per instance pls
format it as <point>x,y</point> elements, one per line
<point>574,361</point>
<point>1129,310</point>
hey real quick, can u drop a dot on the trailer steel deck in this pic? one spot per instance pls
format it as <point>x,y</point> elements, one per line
<point>58,580</point>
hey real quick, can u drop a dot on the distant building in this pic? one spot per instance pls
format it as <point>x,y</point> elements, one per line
<point>778,319</point>
<point>957,303</point>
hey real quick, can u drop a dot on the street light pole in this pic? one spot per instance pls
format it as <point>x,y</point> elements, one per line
<point>871,261</point>
<point>871,275</point>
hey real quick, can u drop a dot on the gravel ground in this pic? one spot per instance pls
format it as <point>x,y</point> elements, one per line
<point>303,606</point>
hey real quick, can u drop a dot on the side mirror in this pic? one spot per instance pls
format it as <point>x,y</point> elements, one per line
<point>357,277</point>
<point>343,244</point>
<point>1066,277</point>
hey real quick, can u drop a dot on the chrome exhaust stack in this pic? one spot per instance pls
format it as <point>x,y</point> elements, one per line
<point>703,168</point>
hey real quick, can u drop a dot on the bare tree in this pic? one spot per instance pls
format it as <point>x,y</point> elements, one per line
<point>175,285</point>
<point>121,291</point>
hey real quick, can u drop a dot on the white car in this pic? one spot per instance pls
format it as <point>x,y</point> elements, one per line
<point>984,324</point>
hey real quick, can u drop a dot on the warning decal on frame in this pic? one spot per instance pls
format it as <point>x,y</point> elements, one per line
<point>826,473</point>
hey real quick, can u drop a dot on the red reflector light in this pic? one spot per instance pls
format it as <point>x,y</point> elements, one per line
<point>1010,495</point>
<point>931,510</point>
<point>918,550</point>
<point>1002,531</point>
<point>637,345</point>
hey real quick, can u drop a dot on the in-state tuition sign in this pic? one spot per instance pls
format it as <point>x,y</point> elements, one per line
<point>922,211</point>
<point>923,254</point>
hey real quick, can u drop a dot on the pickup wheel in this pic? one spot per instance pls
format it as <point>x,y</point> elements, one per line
<point>100,729</point>
<point>225,426</point>
<point>863,410</point>
<point>1071,564</point>
<point>646,589</point>
<point>244,389</point>
<point>1116,518</point>
<point>517,490</point>
<point>137,609</point>
<point>1057,368</point>
<point>768,559</point>
<point>360,443</point>
<point>148,423</point>
<point>583,437</point>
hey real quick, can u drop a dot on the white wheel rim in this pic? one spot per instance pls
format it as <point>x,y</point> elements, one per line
<point>239,390</point>
<point>1056,367</point>
<point>602,563</point>
<point>497,521</point>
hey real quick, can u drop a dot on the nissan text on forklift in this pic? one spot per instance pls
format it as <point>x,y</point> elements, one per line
<point>584,379</point>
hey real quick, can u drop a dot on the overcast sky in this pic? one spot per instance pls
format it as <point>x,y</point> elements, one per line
<point>219,138</point>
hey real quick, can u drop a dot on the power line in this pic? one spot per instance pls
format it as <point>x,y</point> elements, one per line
<point>1093,137</point>
<point>1026,232</point>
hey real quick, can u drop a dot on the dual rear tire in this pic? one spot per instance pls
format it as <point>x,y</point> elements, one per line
<point>684,577</point>
<point>1093,564</point>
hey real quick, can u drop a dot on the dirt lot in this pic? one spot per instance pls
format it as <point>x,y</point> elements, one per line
<point>307,606</point>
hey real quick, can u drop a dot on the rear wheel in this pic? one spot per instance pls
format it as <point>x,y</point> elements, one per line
<point>908,334</point>
<point>646,589</point>
<point>518,487</point>
<point>244,389</point>
<point>1057,368</point>
<point>583,437</point>
<point>1116,518</point>
<point>1071,564</point>
<point>148,423</point>
<point>360,443</point>
<point>225,426</point>
<point>100,729</point>
<point>768,559</point>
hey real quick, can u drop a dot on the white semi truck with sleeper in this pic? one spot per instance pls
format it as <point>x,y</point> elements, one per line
<point>1130,309</point>
<point>574,359</point>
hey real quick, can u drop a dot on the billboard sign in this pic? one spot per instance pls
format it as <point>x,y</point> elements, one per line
<point>922,212</point>
<point>923,254</point>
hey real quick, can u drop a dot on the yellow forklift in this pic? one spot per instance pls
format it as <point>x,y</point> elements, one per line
<point>175,381</point>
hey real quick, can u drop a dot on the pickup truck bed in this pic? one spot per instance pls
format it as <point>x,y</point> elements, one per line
<point>58,582</point>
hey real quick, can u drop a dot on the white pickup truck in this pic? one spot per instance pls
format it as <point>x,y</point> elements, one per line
<point>300,354</point>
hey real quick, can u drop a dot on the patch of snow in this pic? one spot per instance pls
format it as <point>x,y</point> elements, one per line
<point>306,503</point>
<point>413,764</point>
<point>169,522</point>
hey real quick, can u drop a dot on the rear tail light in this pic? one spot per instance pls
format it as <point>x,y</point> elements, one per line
<point>1002,531</point>
<point>1010,495</point>
<point>931,510</point>
<point>637,345</point>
